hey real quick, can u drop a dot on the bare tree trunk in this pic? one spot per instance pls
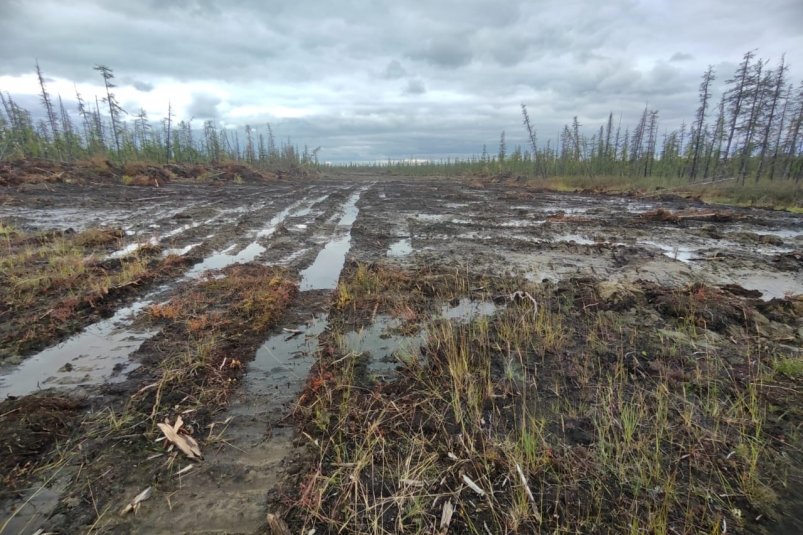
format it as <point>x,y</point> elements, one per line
<point>776,95</point>
<point>750,127</point>
<point>46,102</point>
<point>782,123</point>
<point>737,97</point>
<point>705,95</point>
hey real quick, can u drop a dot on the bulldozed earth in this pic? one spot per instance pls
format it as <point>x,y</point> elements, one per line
<point>359,353</point>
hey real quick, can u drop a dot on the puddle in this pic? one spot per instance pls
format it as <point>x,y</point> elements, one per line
<point>384,347</point>
<point>285,359</point>
<point>400,248</point>
<point>180,251</point>
<point>350,210</point>
<point>324,272</point>
<point>89,357</point>
<point>388,349</point>
<point>276,220</point>
<point>565,210</point>
<point>576,238</point>
<point>675,252</point>
<point>66,218</point>
<point>517,223</point>
<point>786,234</point>
<point>771,285</point>
<point>468,310</point>
<point>224,258</point>
<point>131,248</point>
<point>639,208</point>
<point>430,217</point>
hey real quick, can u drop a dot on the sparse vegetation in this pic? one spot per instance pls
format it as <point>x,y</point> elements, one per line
<point>207,334</point>
<point>569,416</point>
<point>450,390</point>
<point>54,283</point>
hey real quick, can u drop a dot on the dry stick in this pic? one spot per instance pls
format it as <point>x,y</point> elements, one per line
<point>446,516</point>
<point>536,512</point>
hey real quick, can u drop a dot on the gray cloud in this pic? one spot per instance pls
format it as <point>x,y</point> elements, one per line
<point>394,70</point>
<point>681,56</point>
<point>139,85</point>
<point>448,53</point>
<point>204,107</point>
<point>349,75</point>
<point>415,87</point>
<point>142,86</point>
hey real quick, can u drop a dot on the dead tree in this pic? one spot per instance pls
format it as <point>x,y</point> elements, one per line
<point>699,139</point>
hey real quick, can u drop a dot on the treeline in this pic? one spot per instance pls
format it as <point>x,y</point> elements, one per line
<point>101,127</point>
<point>753,132</point>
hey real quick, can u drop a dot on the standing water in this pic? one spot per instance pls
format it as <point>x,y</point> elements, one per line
<point>324,272</point>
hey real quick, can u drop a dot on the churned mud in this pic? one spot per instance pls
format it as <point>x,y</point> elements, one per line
<point>364,354</point>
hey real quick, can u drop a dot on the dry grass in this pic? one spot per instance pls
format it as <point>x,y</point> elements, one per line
<point>777,194</point>
<point>368,289</point>
<point>53,283</point>
<point>210,330</point>
<point>573,417</point>
<point>207,334</point>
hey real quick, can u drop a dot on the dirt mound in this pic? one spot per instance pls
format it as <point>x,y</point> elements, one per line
<point>19,172</point>
<point>32,171</point>
<point>707,307</point>
<point>678,216</point>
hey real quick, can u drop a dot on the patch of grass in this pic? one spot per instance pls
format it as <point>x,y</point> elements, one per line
<point>207,333</point>
<point>6,230</point>
<point>368,289</point>
<point>776,194</point>
<point>557,417</point>
<point>53,283</point>
<point>791,367</point>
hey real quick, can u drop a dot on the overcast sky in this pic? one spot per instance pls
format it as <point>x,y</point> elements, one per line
<point>393,79</point>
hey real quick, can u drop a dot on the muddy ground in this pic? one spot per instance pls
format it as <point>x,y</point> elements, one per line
<point>81,414</point>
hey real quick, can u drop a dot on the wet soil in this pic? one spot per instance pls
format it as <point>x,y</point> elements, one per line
<point>445,248</point>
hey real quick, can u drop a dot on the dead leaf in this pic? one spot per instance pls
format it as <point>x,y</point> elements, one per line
<point>185,443</point>
<point>473,486</point>
<point>133,505</point>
